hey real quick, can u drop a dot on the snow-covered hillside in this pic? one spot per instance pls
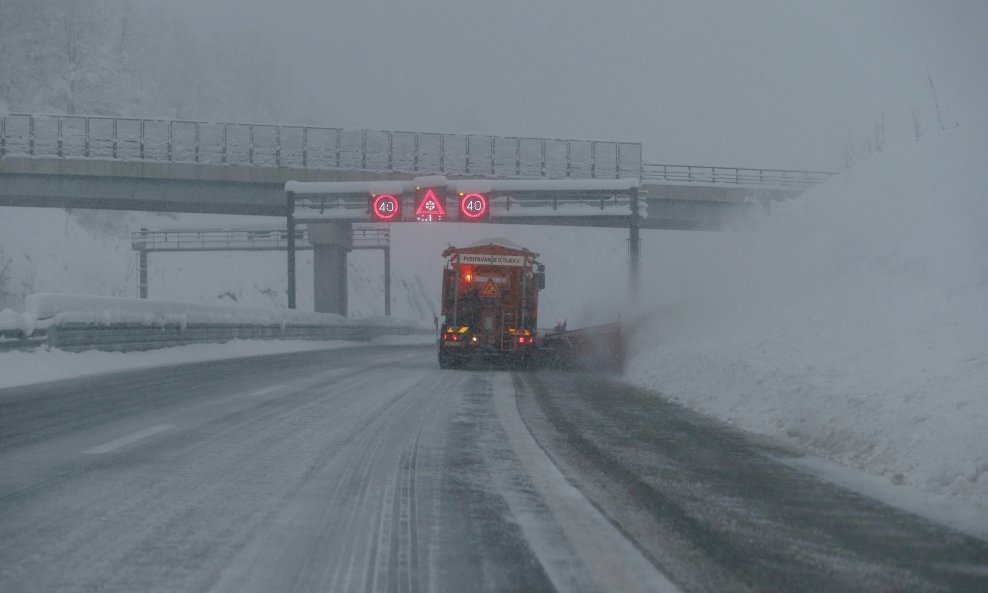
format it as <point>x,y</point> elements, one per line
<point>852,322</point>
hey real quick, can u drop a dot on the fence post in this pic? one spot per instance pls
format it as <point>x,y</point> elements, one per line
<point>518,157</point>
<point>168,148</point>
<point>542,172</point>
<point>339,146</point>
<point>569,146</point>
<point>250,143</point>
<point>277,146</point>
<point>30,135</point>
<point>468,156</point>
<point>196,141</point>
<point>391,151</point>
<point>415,159</point>
<point>442,153</point>
<point>142,140</point>
<point>363,150</point>
<point>59,142</point>
<point>593,160</point>
<point>493,158</point>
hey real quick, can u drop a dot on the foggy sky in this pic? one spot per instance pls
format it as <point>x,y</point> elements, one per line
<point>754,83</point>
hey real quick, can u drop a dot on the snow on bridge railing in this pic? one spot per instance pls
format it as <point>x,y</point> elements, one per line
<point>733,175</point>
<point>307,147</point>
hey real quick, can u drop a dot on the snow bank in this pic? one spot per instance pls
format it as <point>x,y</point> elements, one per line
<point>49,309</point>
<point>852,322</point>
<point>26,368</point>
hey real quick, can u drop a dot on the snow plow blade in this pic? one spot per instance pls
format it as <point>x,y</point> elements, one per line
<point>590,348</point>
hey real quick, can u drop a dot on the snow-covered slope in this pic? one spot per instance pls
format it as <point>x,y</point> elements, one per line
<point>852,322</point>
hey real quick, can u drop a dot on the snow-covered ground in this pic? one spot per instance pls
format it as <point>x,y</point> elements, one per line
<point>851,322</point>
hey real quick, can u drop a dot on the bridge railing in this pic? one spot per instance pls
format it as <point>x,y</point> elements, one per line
<point>733,175</point>
<point>264,145</point>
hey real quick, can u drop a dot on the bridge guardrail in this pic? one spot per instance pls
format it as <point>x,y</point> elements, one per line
<point>307,147</point>
<point>733,175</point>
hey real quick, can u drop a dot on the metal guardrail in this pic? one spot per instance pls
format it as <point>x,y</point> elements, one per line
<point>216,240</point>
<point>14,339</point>
<point>733,175</point>
<point>133,337</point>
<point>306,147</point>
<point>247,239</point>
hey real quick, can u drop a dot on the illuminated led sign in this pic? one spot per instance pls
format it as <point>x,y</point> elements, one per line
<point>473,207</point>
<point>431,206</point>
<point>385,208</point>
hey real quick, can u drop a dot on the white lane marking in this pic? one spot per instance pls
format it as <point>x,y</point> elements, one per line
<point>613,561</point>
<point>131,438</point>
<point>267,390</point>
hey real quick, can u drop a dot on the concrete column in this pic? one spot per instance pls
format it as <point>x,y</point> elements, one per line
<point>142,280</point>
<point>331,242</point>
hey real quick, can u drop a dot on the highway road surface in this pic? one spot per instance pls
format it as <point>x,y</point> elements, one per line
<point>369,469</point>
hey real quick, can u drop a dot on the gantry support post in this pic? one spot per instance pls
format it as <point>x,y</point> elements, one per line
<point>290,223</point>
<point>634,244</point>
<point>387,281</point>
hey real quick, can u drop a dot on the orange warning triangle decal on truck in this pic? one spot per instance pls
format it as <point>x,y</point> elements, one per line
<point>490,289</point>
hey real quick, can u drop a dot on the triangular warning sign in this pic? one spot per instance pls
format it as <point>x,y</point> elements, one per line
<point>490,289</point>
<point>430,206</point>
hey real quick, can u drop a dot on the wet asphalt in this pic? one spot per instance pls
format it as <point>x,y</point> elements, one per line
<point>717,510</point>
<point>369,469</point>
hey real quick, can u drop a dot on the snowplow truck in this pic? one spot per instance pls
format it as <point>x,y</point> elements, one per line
<point>490,303</point>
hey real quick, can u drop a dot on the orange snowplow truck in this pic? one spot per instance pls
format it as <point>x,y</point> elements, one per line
<point>490,304</point>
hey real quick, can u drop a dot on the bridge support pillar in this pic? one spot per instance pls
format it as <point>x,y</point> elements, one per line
<point>331,242</point>
<point>142,280</point>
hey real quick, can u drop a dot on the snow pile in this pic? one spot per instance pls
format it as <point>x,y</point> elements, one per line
<point>852,322</point>
<point>51,309</point>
<point>27,368</point>
<point>110,310</point>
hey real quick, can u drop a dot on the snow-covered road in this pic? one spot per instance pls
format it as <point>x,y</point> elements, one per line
<point>359,469</point>
<point>369,469</point>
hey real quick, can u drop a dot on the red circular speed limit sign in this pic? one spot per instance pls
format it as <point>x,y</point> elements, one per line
<point>385,208</point>
<point>473,206</point>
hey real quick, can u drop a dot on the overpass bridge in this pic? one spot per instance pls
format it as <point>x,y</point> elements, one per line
<point>69,161</point>
<point>111,163</point>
